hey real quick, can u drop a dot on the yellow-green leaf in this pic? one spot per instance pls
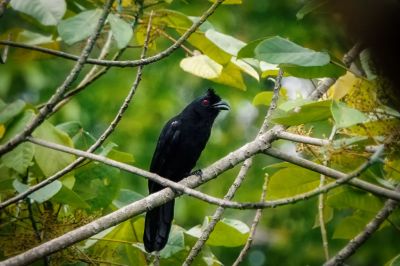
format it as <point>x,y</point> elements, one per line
<point>201,66</point>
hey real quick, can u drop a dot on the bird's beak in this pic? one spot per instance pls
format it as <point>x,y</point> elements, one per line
<point>221,105</point>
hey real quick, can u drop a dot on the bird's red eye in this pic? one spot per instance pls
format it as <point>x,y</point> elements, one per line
<point>205,102</point>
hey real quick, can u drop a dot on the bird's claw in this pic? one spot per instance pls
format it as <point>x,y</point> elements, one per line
<point>198,173</point>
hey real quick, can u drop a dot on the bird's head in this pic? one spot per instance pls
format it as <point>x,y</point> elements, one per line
<point>210,104</point>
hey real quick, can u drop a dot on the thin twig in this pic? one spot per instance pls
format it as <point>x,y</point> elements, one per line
<point>94,146</point>
<point>55,98</point>
<point>363,236</point>
<point>128,63</point>
<point>254,225</point>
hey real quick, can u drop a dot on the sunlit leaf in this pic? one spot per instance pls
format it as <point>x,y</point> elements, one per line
<point>268,69</point>
<point>247,51</point>
<point>225,42</point>
<point>263,98</point>
<point>202,66</point>
<point>47,12</point>
<point>277,50</point>
<point>121,30</point>
<point>345,116</point>
<point>86,23</point>
<point>42,194</point>
<point>231,76</point>
<point>246,68</point>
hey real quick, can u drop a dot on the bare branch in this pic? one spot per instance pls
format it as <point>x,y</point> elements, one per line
<point>55,98</point>
<point>128,63</point>
<point>362,237</point>
<point>95,145</point>
<point>302,139</point>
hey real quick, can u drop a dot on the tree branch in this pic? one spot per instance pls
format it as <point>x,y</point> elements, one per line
<point>55,98</point>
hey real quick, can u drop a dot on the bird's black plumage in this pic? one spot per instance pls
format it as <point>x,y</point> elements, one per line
<point>179,146</point>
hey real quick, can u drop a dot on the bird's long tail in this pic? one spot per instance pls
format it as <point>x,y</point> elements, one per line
<point>157,226</point>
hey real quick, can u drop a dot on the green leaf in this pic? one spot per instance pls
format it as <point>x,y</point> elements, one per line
<point>203,27</point>
<point>47,12</point>
<point>201,66</point>
<point>79,27</point>
<point>329,70</point>
<point>247,51</point>
<point>97,184</point>
<point>291,181</point>
<point>349,227</point>
<point>245,67</point>
<point>19,158</point>
<point>289,105</point>
<point>263,98</point>
<point>310,112</point>
<point>126,197</point>
<point>345,198</point>
<point>309,7</point>
<point>225,42</point>
<point>18,125</point>
<point>11,110</point>
<point>50,161</point>
<point>345,116</point>
<point>121,30</point>
<point>227,232</point>
<point>175,244</point>
<point>394,262</point>
<point>123,157</point>
<point>72,128</point>
<point>277,50</point>
<point>66,196</point>
<point>41,195</point>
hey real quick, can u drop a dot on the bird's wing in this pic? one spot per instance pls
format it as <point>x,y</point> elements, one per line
<point>167,142</point>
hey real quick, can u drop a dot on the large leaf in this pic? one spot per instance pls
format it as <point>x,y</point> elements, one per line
<point>175,244</point>
<point>126,197</point>
<point>310,112</point>
<point>349,227</point>
<point>345,116</point>
<point>227,232</point>
<point>79,27</point>
<point>50,161</point>
<point>19,158</point>
<point>48,12</point>
<point>41,195</point>
<point>329,70</point>
<point>11,110</point>
<point>277,50</point>
<point>225,42</point>
<point>201,66</point>
<point>345,198</point>
<point>263,98</point>
<point>231,75</point>
<point>121,30</point>
<point>97,184</point>
<point>66,196</point>
<point>291,181</point>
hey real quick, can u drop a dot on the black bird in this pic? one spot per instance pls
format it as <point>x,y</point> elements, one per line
<point>179,146</point>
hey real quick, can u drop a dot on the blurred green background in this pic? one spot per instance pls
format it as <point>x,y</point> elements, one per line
<point>286,235</point>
